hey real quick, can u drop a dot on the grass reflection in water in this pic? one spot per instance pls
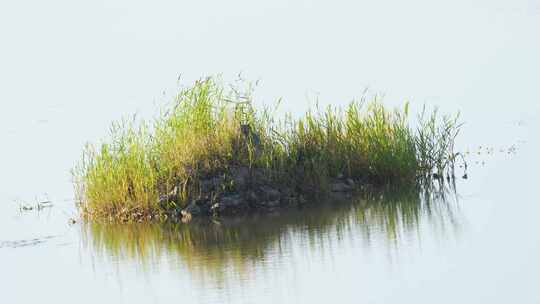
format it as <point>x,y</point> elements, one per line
<point>207,248</point>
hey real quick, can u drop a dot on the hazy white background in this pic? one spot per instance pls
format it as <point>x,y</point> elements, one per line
<point>68,68</point>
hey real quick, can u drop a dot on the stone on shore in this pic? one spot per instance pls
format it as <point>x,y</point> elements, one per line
<point>229,204</point>
<point>340,187</point>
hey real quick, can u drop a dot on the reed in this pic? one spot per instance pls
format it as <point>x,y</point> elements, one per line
<point>209,131</point>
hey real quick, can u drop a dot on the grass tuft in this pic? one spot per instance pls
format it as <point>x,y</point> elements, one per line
<point>210,131</point>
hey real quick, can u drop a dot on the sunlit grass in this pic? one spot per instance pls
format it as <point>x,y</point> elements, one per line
<point>206,133</point>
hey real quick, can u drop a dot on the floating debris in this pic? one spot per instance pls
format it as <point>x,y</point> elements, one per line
<point>37,206</point>
<point>25,243</point>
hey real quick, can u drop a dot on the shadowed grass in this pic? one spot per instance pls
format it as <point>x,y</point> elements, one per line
<point>209,131</point>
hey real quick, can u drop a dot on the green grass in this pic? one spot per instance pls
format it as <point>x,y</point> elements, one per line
<point>200,136</point>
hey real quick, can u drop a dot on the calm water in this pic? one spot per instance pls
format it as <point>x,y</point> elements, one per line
<point>68,69</point>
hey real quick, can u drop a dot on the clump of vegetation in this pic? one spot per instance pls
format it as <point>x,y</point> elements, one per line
<point>211,151</point>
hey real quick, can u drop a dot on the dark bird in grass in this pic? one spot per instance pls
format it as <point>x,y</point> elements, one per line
<point>250,135</point>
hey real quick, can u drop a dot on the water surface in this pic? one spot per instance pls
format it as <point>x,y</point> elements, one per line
<point>69,69</point>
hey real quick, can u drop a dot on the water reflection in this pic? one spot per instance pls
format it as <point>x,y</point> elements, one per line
<point>211,250</point>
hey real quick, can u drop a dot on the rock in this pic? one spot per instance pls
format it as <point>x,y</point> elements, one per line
<point>192,209</point>
<point>229,204</point>
<point>269,193</point>
<point>204,205</point>
<point>350,182</point>
<point>217,208</point>
<point>241,177</point>
<point>270,204</point>
<point>186,219</point>
<point>286,192</point>
<point>339,187</point>
<point>172,196</point>
<point>233,200</point>
<point>252,197</point>
<point>258,174</point>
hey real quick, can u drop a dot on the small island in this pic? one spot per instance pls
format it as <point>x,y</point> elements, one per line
<point>212,154</point>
